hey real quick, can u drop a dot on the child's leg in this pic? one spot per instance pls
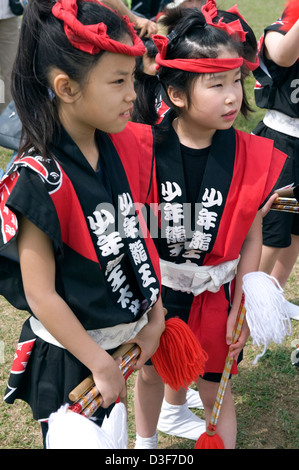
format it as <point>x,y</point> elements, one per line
<point>268,258</point>
<point>175,397</point>
<point>149,392</point>
<point>227,424</point>
<point>285,261</point>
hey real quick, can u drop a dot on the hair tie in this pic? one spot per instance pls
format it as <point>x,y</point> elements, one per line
<point>172,36</point>
<point>93,38</point>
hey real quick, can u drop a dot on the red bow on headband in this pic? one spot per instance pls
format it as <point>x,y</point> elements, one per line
<point>93,38</point>
<point>209,10</point>
<point>203,65</point>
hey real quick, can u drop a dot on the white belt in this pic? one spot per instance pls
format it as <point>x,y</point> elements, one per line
<point>282,123</point>
<point>107,338</point>
<point>188,277</point>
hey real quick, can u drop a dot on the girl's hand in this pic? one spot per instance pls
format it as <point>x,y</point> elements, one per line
<point>265,209</point>
<point>147,27</point>
<point>236,348</point>
<point>110,381</point>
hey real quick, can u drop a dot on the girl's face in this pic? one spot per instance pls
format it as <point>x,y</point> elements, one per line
<point>106,101</point>
<point>215,100</point>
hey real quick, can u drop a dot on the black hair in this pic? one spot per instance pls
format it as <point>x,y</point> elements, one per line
<point>193,39</point>
<point>44,46</point>
<point>151,51</point>
<point>249,46</point>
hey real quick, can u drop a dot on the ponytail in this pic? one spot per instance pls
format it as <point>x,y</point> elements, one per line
<point>147,89</point>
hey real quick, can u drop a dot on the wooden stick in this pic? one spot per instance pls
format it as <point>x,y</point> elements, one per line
<point>285,192</point>
<point>226,372</point>
<point>289,192</point>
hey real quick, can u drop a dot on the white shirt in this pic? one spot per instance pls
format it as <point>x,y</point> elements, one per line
<point>5,11</point>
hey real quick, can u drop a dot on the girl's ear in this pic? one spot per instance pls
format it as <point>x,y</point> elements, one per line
<point>177,97</point>
<point>66,89</point>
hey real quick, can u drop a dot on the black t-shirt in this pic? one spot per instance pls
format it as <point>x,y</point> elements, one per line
<point>194,162</point>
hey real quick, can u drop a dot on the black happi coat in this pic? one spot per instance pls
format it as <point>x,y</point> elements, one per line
<point>107,268</point>
<point>276,87</point>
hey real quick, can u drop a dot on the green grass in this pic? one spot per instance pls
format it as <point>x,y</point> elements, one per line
<point>257,13</point>
<point>266,394</point>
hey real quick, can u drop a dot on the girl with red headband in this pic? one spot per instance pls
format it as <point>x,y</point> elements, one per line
<point>74,251</point>
<point>211,182</point>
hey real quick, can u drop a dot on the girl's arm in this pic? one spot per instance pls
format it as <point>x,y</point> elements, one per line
<point>249,262</point>
<point>147,27</point>
<point>38,273</point>
<point>149,337</point>
<point>283,49</point>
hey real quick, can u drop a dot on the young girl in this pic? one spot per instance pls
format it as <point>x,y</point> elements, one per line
<point>212,181</point>
<point>72,250</point>
<point>276,91</point>
<point>175,417</point>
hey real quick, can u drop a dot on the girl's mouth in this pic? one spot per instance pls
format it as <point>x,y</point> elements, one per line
<point>126,114</point>
<point>230,116</point>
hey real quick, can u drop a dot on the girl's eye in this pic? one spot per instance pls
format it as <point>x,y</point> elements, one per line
<point>119,82</point>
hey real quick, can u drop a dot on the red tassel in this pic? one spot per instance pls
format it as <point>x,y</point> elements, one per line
<point>209,440</point>
<point>290,14</point>
<point>180,359</point>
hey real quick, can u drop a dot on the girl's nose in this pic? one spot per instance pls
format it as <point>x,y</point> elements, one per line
<point>131,94</point>
<point>230,98</point>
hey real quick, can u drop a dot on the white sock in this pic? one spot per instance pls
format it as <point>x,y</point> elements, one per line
<point>193,399</point>
<point>146,442</point>
<point>293,310</point>
<point>178,420</point>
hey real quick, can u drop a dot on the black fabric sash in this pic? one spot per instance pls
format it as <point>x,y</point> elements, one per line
<point>185,235</point>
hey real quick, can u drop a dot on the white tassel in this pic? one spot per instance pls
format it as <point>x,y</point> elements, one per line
<point>69,430</point>
<point>266,310</point>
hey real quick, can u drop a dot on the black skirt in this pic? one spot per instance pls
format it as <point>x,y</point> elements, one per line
<point>43,375</point>
<point>278,226</point>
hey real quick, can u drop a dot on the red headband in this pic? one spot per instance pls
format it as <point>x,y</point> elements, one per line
<point>202,65</point>
<point>93,38</point>
<point>209,10</point>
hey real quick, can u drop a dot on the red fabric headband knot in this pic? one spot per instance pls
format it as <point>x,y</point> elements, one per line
<point>209,10</point>
<point>202,65</point>
<point>93,38</point>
